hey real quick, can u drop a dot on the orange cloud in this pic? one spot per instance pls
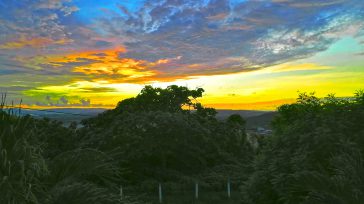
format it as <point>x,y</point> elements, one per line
<point>105,55</point>
<point>32,42</point>
<point>106,65</point>
<point>129,68</point>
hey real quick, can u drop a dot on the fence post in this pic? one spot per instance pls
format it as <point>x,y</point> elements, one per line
<point>196,190</point>
<point>160,193</point>
<point>228,188</point>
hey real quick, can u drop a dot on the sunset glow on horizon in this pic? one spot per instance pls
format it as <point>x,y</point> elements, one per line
<point>246,54</point>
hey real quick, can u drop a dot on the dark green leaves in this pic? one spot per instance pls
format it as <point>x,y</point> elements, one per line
<point>314,156</point>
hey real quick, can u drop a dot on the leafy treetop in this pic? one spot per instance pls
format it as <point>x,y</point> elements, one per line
<point>171,99</point>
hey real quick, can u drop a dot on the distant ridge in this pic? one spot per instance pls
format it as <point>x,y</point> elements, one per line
<point>224,113</point>
<point>67,115</point>
<point>253,118</point>
<point>264,120</point>
<point>63,111</point>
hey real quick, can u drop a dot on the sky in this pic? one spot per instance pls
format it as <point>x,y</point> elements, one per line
<point>246,54</point>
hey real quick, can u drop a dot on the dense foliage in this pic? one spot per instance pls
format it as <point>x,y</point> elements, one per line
<point>166,136</point>
<point>314,156</point>
<point>160,136</point>
<point>41,163</point>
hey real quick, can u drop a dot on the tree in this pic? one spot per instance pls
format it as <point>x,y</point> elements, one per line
<point>172,99</point>
<point>166,135</point>
<point>236,119</point>
<point>302,161</point>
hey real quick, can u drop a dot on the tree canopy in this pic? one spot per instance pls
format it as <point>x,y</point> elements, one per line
<point>171,99</point>
<point>314,156</point>
<point>166,134</point>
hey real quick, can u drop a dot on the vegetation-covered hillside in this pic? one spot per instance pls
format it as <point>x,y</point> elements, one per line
<point>314,156</point>
<point>165,136</point>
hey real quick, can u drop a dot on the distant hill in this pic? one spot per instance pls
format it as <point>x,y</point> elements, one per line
<point>65,115</point>
<point>52,111</point>
<point>223,114</point>
<point>253,118</point>
<point>262,120</point>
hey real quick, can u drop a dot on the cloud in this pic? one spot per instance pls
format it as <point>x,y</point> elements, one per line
<point>254,34</point>
<point>289,67</point>
<point>85,102</point>
<point>9,71</point>
<point>48,98</point>
<point>64,41</point>
<point>34,19</point>
<point>103,64</point>
<point>214,36</point>
<point>68,10</point>
<point>99,89</point>
<point>309,3</point>
<point>62,101</point>
<point>14,88</point>
<point>32,42</point>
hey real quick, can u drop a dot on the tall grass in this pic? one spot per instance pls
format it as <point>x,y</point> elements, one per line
<point>21,163</point>
<point>27,177</point>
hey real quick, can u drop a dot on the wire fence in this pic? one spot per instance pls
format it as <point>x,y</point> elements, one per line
<point>185,194</point>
